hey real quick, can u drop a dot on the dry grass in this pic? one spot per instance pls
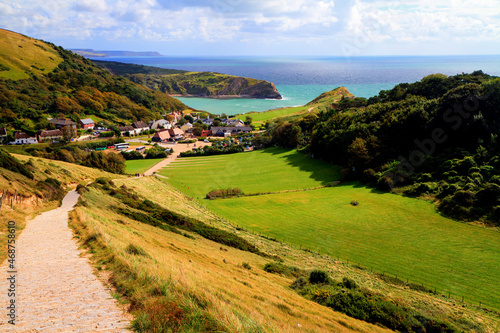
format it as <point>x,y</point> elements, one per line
<point>24,55</point>
<point>203,277</point>
<point>236,296</point>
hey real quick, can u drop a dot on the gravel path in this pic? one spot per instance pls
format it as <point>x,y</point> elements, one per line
<point>178,148</point>
<point>56,290</point>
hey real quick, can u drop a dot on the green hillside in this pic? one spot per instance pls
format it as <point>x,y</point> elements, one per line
<point>22,56</point>
<point>331,97</point>
<point>121,68</point>
<point>401,236</point>
<point>66,84</point>
<point>207,84</point>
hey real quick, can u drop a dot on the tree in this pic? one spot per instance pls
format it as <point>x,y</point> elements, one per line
<point>217,123</point>
<point>197,130</point>
<point>69,132</point>
<point>248,120</point>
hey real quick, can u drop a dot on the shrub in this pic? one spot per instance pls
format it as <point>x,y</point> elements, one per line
<point>224,193</point>
<point>136,250</point>
<point>246,265</point>
<point>348,283</point>
<point>318,276</point>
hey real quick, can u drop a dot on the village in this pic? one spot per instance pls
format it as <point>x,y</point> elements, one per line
<point>177,128</point>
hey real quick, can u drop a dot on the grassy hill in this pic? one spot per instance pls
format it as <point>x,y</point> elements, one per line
<point>330,97</point>
<point>63,83</point>
<point>22,56</point>
<point>205,286</point>
<point>38,188</point>
<point>325,100</point>
<point>386,232</point>
<point>207,84</point>
<point>120,68</point>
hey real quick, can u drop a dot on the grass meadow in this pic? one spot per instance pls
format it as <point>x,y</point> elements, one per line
<point>140,166</point>
<point>389,233</point>
<point>272,114</point>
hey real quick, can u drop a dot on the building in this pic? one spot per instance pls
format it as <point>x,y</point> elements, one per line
<point>140,127</point>
<point>233,122</point>
<point>87,123</point>
<point>3,135</point>
<point>126,130</point>
<point>186,127</point>
<point>206,133</point>
<point>176,134</point>
<point>21,138</point>
<point>49,135</point>
<point>161,136</point>
<point>207,121</point>
<point>59,123</point>
<point>225,131</point>
<point>160,124</point>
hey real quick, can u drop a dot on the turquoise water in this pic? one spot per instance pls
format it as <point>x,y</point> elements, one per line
<point>301,79</point>
<point>293,95</point>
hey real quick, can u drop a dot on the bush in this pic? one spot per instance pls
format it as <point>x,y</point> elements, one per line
<point>318,276</point>
<point>224,193</point>
<point>136,250</point>
<point>348,283</point>
<point>246,265</point>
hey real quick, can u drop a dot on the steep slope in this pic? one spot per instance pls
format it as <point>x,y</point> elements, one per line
<point>22,56</point>
<point>330,97</point>
<point>208,84</point>
<point>76,88</point>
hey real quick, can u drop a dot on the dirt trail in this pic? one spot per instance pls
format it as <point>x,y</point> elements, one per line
<point>56,290</point>
<point>179,148</point>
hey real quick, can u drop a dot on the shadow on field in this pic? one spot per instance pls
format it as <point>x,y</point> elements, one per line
<point>318,170</point>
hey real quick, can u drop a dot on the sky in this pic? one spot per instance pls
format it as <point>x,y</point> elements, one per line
<point>262,27</point>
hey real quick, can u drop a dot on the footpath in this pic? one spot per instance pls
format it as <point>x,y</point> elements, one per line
<point>55,288</point>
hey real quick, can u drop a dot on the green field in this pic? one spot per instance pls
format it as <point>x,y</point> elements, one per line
<point>387,232</point>
<point>272,114</point>
<point>139,166</point>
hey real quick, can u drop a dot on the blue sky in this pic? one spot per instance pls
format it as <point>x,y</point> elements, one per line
<point>262,27</point>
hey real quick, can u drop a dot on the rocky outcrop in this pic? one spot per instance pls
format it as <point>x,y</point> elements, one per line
<point>263,89</point>
<point>207,84</point>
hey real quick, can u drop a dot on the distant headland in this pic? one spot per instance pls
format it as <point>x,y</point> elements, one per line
<point>104,54</point>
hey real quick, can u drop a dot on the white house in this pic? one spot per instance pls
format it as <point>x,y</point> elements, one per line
<point>22,138</point>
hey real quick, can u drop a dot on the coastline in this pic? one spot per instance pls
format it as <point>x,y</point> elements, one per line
<point>222,96</point>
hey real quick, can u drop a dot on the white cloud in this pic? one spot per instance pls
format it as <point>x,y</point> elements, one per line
<point>417,21</point>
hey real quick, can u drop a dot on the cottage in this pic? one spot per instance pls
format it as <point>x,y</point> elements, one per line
<point>49,135</point>
<point>176,134</point>
<point>186,127</point>
<point>140,126</point>
<point>126,130</point>
<point>160,124</point>
<point>59,123</point>
<point>3,135</point>
<point>21,138</point>
<point>87,123</point>
<point>207,121</point>
<point>233,122</point>
<point>161,136</point>
<point>206,133</point>
<point>224,131</point>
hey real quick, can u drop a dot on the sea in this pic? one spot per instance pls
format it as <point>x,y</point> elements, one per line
<point>301,79</point>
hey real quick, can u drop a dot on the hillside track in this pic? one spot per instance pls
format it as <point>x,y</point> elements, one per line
<point>56,290</point>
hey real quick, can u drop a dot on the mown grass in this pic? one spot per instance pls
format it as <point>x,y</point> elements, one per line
<point>386,232</point>
<point>37,56</point>
<point>273,169</point>
<point>140,166</point>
